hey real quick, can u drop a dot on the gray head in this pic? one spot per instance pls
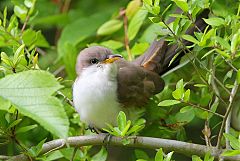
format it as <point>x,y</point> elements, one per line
<point>92,56</point>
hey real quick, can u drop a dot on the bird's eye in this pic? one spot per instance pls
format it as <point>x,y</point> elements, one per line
<point>94,61</point>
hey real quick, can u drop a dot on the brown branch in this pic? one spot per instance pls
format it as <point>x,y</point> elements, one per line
<point>126,39</point>
<point>184,148</point>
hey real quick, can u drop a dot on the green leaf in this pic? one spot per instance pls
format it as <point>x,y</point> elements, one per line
<point>18,54</point>
<point>122,120</point>
<point>177,94</point>
<point>185,117</point>
<point>132,8</point>
<point>21,12</point>
<point>223,53</point>
<point>234,142</point>
<point>35,151</point>
<point>196,158</point>
<point>100,156</point>
<point>112,44</point>
<point>169,102</point>
<point>190,38</point>
<point>185,109</point>
<point>31,92</point>
<point>110,27</point>
<point>126,128</point>
<point>169,156</point>
<point>182,4</point>
<point>208,157</point>
<point>29,3</point>
<point>208,53</point>
<point>200,85</point>
<point>141,154</point>
<point>159,155</point>
<point>6,59</point>
<point>238,76</point>
<point>149,2</point>
<point>186,95</point>
<point>26,128</point>
<point>139,48</point>
<point>14,123</point>
<point>214,21</point>
<point>135,23</point>
<point>223,42</point>
<point>231,153</point>
<point>71,33</point>
<point>235,41</point>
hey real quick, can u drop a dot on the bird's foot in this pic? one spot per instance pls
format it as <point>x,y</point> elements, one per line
<point>107,140</point>
<point>93,129</point>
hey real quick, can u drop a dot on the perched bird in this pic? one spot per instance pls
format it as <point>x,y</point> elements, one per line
<point>107,84</point>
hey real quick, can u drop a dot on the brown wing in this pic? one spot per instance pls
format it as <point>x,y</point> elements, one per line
<point>136,84</point>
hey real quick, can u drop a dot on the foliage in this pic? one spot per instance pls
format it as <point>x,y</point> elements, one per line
<point>39,46</point>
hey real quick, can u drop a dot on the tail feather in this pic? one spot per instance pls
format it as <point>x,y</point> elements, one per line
<point>159,54</point>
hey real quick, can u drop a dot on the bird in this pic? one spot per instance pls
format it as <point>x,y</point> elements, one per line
<point>106,83</point>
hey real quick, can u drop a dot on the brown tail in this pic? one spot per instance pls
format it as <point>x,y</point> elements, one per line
<point>159,54</point>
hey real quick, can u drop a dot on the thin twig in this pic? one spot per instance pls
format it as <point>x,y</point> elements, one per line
<point>202,108</point>
<point>25,23</point>
<point>126,39</point>
<point>227,116</point>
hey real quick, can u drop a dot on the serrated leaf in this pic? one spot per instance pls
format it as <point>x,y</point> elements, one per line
<point>169,102</point>
<point>110,27</point>
<point>214,21</point>
<point>135,23</point>
<point>190,38</point>
<point>182,4</point>
<point>31,92</point>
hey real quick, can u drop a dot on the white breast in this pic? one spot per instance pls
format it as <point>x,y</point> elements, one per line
<point>95,95</point>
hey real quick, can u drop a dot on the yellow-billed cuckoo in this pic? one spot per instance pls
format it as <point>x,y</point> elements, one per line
<point>107,84</point>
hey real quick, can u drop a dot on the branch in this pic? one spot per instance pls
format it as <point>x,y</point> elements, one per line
<point>187,149</point>
<point>227,114</point>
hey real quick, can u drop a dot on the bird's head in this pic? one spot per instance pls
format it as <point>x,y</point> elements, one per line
<point>95,56</point>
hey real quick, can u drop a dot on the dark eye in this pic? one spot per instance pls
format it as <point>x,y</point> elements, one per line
<point>94,61</point>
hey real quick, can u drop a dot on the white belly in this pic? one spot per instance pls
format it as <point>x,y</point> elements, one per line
<point>95,97</point>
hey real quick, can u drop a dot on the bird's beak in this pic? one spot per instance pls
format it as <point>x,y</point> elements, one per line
<point>112,58</point>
